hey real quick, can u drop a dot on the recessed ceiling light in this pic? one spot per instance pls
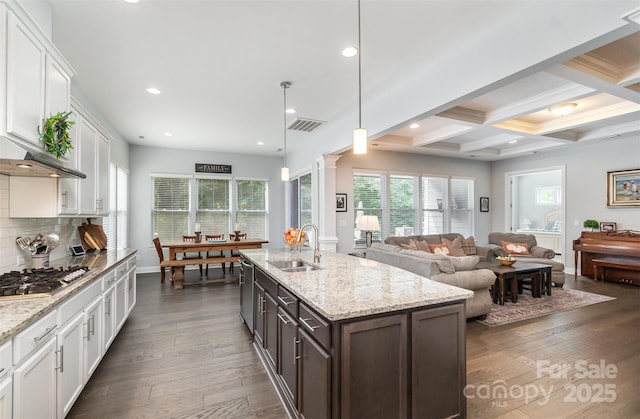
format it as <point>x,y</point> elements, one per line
<point>153,91</point>
<point>513,141</point>
<point>54,174</point>
<point>131,1</point>
<point>414,125</point>
<point>168,134</point>
<point>350,52</point>
<point>24,165</point>
<point>260,143</point>
<point>290,110</point>
<point>563,109</point>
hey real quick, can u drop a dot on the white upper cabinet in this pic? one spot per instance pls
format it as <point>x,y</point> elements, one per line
<point>38,78</point>
<point>25,80</point>
<point>88,165</point>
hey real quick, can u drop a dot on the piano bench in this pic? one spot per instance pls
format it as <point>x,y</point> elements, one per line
<point>617,263</point>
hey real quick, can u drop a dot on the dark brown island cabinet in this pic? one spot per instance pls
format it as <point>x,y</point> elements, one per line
<point>402,364</point>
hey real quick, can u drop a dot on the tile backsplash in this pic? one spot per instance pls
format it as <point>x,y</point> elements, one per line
<point>11,228</point>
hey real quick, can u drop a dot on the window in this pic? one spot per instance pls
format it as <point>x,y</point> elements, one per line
<point>252,207</point>
<point>367,198</point>
<point>213,210</point>
<point>170,207</point>
<point>402,203</point>
<point>116,224</point>
<point>413,205</point>
<point>548,195</point>
<point>300,200</point>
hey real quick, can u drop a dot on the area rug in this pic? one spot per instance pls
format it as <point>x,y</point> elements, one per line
<point>528,307</point>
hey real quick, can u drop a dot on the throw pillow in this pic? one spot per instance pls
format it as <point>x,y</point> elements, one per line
<point>469,246</point>
<point>516,248</point>
<point>439,249</point>
<point>455,246</point>
<point>411,245</point>
<point>464,263</point>
<point>444,264</point>
<point>422,245</point>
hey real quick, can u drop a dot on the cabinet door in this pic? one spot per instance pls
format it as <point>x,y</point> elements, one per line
<point>314,385</point>
<point>34,382</point>
<point>271,329</point>
<point>68,187</point>
<point>259,314</point>
<point>102,186</point>
<point>246,293</point>
<point>121,302</point>
<point>87,165</point>
<point>109,323</point>
<point>374,368</point>
<point>71,356</point>
<point>58,88</point>
<point>6,397</point>
<point>131,290</point>
<point>25,81</point>
<point>288,354</point>
<point>438,360</point>
<point>93,337</point>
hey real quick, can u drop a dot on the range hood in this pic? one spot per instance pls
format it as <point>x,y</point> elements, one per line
<point>21,159</point>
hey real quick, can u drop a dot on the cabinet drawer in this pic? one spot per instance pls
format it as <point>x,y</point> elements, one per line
<point>36,334</point>
<point>121,270</point>
<point>109,279</point>
<point>76,304</point>
<point>315,325</point>
<point>288,301</point>
<point>6,359</point>
<point>267,283</point>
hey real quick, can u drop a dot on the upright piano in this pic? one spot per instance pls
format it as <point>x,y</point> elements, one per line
<point>595,245</point>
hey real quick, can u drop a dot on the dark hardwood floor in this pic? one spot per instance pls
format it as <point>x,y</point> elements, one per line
<point>185,354</point>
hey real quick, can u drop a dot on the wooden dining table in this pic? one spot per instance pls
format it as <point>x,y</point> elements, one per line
<point>180,247</point>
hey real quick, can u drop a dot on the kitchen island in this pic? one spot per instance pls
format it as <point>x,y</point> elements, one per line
<point>351,338</point>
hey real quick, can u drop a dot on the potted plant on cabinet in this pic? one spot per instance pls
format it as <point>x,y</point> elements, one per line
<point>592,224</point>
<point>54,135</point>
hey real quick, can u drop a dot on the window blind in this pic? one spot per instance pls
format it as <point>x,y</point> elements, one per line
<point>213,208</point>
<point>462,206</point>
<point>367,198</point>
<point>305,199</point>
<point>434,204</point>
<point>170,207</point>
<point>252,207</point>
<point>402,213</point>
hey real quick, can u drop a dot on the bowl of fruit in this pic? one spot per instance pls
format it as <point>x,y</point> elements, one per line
<point>506,260</point>
<point>291,237</point>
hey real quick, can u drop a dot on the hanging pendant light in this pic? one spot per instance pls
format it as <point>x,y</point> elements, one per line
<point>359,134</point>
<point>284,171</point>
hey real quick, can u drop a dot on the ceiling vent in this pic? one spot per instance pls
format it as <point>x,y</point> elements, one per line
<point>304,124</point>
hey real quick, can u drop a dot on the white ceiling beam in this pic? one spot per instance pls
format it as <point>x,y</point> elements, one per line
<point>611,131</point>
<point>441,134</point>
<point>487,142</point>
<point>584,118</point>
<point>594,82</point>
<point>529,148</point>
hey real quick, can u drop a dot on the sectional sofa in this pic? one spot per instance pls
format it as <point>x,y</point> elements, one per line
<point>459,271</point>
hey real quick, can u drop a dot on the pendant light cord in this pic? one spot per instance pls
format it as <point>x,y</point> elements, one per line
<point>359,71</point>
<point>285,85</point>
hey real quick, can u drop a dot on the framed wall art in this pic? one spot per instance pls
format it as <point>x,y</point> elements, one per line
<point>608,227</point>
<point>341,202</point>
<point>484,204</point>
<point>623,188</point>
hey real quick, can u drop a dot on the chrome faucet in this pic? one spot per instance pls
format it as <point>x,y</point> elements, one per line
<point>316,250</point>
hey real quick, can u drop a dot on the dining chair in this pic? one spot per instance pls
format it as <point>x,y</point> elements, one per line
<point>215,237</point>
<point>191,238</point>
<point>156,243</point>
<point>232,236</point>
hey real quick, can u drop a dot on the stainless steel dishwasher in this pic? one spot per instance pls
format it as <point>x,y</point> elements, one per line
<point>246,292</point>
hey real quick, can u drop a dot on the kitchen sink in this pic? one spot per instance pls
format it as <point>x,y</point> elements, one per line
<point>293,265</point>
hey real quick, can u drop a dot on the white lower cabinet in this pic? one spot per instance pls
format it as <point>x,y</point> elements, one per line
<point>44,368</point>
<point>34,383</point>
<point>70,361</point>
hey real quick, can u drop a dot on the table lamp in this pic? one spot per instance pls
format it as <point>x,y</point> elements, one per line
<point>368,223</point>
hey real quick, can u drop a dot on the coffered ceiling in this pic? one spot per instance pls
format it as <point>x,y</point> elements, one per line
<point>219,65</point>
<point>516,119</point>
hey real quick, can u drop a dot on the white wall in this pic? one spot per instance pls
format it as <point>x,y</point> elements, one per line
<point>408,164</point>
<point>586,189</point>
<point>148,160</point>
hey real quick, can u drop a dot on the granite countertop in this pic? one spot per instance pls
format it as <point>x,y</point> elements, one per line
<point>349,287</point>
<point>18,314</point>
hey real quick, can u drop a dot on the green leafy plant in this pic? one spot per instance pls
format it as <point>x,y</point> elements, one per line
<point>592,224</point>
<point>54,135</point>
